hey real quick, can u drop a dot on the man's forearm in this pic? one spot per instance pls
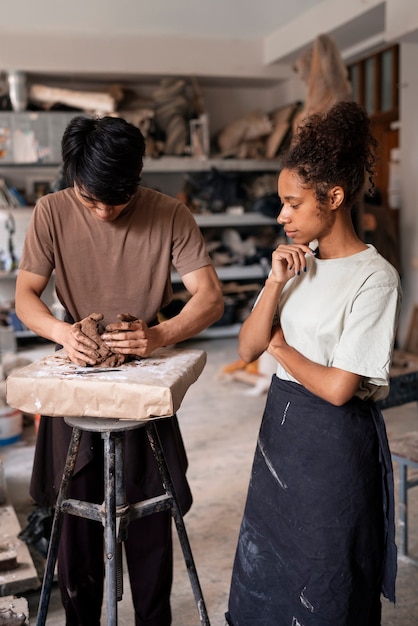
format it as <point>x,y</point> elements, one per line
<point>35,314</point>
<point>195,316</point>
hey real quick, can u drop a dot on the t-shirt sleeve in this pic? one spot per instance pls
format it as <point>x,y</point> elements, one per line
<point>189,251</point>
<point>38,254</point>
<point>367,341</point>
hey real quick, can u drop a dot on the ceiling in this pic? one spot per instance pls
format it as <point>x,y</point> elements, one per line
<point>247,39</point>
<point>242,19</point>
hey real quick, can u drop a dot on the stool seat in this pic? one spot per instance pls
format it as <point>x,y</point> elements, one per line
<point>104,424</point>
<point>115,513</point>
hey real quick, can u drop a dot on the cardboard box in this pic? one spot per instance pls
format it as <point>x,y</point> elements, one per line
<point>144,388</point>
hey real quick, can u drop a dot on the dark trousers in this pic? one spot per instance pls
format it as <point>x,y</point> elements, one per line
<point>148,551</point>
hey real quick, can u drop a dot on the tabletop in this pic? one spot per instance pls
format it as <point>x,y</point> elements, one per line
<point>140,389</point>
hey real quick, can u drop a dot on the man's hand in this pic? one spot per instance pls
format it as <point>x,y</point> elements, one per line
<point>84,345</point>
<point>131,336</point>
<point>82,348</point>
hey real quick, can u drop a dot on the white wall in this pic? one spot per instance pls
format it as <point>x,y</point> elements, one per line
<point>401,18</point>
<point>408,173</point>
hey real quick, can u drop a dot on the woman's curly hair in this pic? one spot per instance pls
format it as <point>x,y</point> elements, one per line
<point>334,148</point>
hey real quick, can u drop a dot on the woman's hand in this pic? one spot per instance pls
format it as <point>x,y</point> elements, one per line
<point>288,260</point>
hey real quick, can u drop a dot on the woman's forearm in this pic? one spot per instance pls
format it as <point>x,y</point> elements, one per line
<point>332,384</point>
<point>255,333</point>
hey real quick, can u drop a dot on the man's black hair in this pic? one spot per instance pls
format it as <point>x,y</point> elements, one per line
<point>103,157</point>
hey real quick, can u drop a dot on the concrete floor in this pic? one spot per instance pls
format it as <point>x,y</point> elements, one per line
<point>219,420</point>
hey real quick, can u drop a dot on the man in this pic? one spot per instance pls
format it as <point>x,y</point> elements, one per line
<point>111,245</point>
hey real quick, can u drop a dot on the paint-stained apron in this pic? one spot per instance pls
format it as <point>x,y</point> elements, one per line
<point>316,545</point>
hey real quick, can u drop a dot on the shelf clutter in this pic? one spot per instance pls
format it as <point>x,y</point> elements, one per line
<point>170,111</point>
<point>227,176</point>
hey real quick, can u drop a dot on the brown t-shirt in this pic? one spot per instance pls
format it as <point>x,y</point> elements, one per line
<point>113,267</point>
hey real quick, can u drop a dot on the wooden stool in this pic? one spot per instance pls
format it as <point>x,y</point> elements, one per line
<point>115,513</point>
<point>404,451</point>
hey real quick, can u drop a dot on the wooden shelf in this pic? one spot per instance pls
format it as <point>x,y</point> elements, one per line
<point>235,220</point>
<point>173,168</point>
<point>219,332</point>
<point>171,164</point>
<point>233,272</point>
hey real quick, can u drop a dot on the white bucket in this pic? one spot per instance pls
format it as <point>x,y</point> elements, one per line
<point>11,424</point>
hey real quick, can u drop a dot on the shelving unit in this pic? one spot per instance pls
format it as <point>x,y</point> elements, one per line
<point>241,282</point>
<point>226,220</point>
<point>165,173</point>
<point>233,220</point>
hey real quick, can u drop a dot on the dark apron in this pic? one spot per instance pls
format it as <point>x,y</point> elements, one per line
<point>316,545</point>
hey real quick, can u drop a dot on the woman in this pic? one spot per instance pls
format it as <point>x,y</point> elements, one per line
<point>316,545</point>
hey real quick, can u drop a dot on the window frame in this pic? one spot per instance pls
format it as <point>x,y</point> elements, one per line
<point>393,112</point>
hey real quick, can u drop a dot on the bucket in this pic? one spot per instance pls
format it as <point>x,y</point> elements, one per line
<point>11,424</point>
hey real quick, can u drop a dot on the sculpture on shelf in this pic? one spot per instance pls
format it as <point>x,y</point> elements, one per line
<point>211,191</point>
<point>281,119</point>
<point>257,135</point>
<point>322,69</point>
<point>144,118</point>
<point>173,110</point>
<point>244,137</point>
<point>97,102</point>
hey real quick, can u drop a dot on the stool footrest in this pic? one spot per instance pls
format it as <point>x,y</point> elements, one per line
<point>96,512</point>
<point>88,510</point>
<point>153,505</point>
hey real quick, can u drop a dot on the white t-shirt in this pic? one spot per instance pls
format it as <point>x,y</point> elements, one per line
<point>344,313</point>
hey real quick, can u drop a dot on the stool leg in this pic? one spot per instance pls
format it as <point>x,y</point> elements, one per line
<point>122,510</point>
<point>110,530</point>
<point>155,444</point>
<point>403,509</point>
<point>51,558</point>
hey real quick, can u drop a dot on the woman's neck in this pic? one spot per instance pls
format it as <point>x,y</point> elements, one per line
<point>339,243</point>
